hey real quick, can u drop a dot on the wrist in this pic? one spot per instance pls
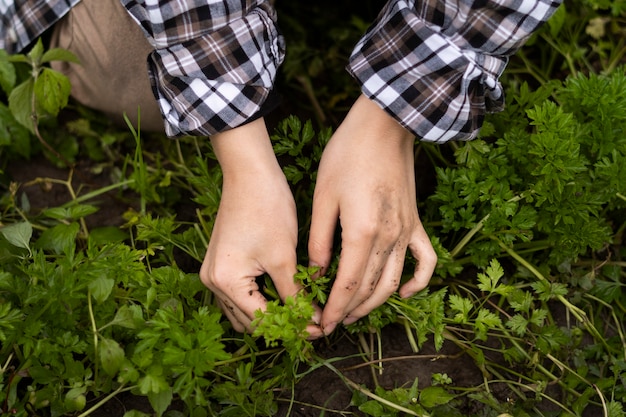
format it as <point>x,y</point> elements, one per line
<point>371,128</point>
<point>376,116</point>
<point>245,152</point>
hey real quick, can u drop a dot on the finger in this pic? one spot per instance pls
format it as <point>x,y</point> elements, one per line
<point>282,270</point>
<point>387,284</point>
<point>357,275</point>
<point>314,331</point>
<point>217,281</point>
<point>323,224</point>
<point>426,257</point>
<point>238,320</point>
<point>240,296</point>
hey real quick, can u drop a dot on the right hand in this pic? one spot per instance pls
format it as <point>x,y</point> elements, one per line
<point>366,179</point>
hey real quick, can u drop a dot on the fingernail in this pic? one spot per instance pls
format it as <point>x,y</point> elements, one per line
<point>314,332</point>
<point>407,294</point>
<point>317,317</point>
<point>329,328</point>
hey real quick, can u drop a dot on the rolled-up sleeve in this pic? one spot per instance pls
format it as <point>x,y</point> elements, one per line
<point>214,62</point>
<point>435,65</point>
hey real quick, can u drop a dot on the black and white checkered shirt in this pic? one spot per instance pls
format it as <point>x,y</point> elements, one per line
<point>432,64</point>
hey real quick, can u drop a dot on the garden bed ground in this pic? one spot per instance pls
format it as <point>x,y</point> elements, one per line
<point>321,392</point>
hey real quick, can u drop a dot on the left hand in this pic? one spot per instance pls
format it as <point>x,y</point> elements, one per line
<point>256,228</point>
<point>366,179</point>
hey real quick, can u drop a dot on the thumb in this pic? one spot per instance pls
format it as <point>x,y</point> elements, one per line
<point>426,257</point>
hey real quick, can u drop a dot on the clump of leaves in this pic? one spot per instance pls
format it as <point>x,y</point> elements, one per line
<point>35,92</point>
<point>548,182</point>
<point>44,93</point>
<point>286,323</point>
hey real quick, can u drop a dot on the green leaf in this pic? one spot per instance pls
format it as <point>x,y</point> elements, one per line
<point>518,324</point>
<point>52,90</point>
<point>372,408</point>
<point>287,323</point>
<point>71,213</point>
<point>59,54</point>
<point>7,73</point>
<point>489,281</point>
<point>42,375</point>
<point>101,288</point>
<point>539,317</point>
<point>433,396</point>
<point>135,413</point>
<point>19,58</point>
<point>127,373</point>
<point>153,381</point>
<point>111,356</point>
<point>485,321</point>
<point>75,399</point>
<point>462,305</point>
<point>60,238</point>
<point>36,52</point>
<point>128,316</point>
<point>160,400</point>
<point>556,22</point>
<point>18,234</point>
<point>616,409</point>
<point>109,234</point>
<point>608,290</point>
<point>20,104</point>
<point>13,134</point>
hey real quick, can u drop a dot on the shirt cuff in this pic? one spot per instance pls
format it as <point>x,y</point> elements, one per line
<point>220,79</point>
<point>434,66</point>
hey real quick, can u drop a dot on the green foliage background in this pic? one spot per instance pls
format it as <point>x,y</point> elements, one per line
<point>527,220</point>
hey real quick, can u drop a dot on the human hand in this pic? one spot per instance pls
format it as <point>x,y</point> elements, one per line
<point>366,179</point>
<point>256,228</point>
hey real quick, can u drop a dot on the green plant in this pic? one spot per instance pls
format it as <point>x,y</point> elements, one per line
<point>527,222</point>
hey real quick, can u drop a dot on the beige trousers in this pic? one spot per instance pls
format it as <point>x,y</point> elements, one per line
<point>112,76</point>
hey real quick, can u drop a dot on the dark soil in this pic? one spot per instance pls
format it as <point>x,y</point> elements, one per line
<point>321,388</point>
<point>321,392</point>
<point>400,368</point>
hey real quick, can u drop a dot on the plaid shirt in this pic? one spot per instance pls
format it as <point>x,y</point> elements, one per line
<point>433,65</point>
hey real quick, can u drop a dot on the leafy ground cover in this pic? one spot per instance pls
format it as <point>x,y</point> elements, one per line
<point>103,229</point>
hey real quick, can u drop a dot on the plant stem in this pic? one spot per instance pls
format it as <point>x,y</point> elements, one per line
<point>475,230</point>
<point>105,400</point>
<point>577,312</point>
<point>431,358</point>
<point>618,322</point>
<point>6,364</point>
<point>247,356</point>
<point>305,82</point>
<point>409,334</point>
<point>373,396</point>
<point>604,409</point>
<point>94,330</point>
<point>468,237</point>
<point>98,192</point>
